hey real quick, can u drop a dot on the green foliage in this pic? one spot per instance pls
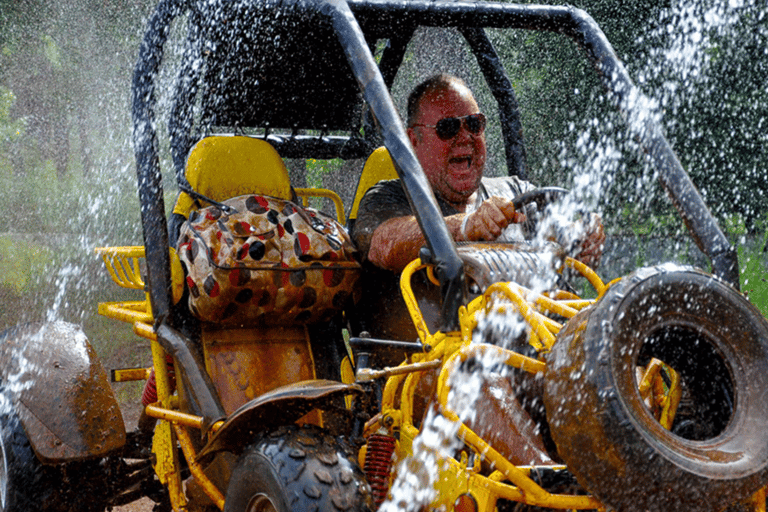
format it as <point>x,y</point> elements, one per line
<point>10,130</point>
<point>754,271</point>
<point>21,258</point>
<point>317,169</point>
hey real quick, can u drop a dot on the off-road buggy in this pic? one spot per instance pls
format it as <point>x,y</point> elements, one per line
<point>264,392</point>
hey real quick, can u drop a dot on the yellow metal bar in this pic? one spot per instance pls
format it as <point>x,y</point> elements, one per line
<point>410,299</point>
<point>305,193</point>
<point>409,390</point>
<point>202,479</point>
<point>123,265</point>
<point>557,307</point>
<point>161,373</point>
<point>587,272</point>
<point>166,465</point>
<point>577,304</point>
<point>670,398</point>
<point>175,417</point>
<point>390,390</point>
<point>130,374</point>
<point>126,311</point>
<point>178,417</point>
<point>145,330</point>
<point>662,399</point>
<point>537,321</point>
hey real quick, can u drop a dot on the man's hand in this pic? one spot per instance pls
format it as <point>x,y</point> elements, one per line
<point>489,220</point>
<point>592,246</point>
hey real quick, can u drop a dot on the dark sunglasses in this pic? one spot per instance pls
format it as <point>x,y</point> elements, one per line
<point>449,127</point>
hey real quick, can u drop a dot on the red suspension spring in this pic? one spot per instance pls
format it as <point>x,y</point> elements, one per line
<point>149,396</point>
<point>378,463</point>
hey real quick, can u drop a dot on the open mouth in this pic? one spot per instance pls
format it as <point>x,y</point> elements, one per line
<point>463,162</point>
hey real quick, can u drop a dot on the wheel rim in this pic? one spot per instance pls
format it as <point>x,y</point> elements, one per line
<point>707,406</point>
<point>261,503</point>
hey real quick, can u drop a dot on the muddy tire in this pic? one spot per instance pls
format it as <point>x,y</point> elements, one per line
<point>297,468</point>
<point>25,484</point>
<point>716,452</point>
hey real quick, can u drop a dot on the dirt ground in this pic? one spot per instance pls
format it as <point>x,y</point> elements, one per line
<point>143,505</point>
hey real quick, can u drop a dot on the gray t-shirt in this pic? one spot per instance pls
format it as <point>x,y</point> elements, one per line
<point>387,200</point>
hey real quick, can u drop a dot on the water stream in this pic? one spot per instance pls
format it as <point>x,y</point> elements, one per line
<point>690,49</point>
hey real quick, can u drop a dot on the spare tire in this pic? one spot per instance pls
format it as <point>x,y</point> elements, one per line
<point>716,451</point>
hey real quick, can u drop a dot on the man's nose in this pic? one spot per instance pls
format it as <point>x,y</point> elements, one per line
<point>464,133</point>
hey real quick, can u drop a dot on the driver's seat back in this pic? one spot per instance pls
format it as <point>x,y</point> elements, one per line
<point>379,166</point>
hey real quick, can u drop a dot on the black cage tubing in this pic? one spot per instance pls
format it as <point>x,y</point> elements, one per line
<point>579,26</point>
<point>145,147</point>
<point>153,219</point>
<point>504,93</point>
<point>449,268</point>
<point>571,22</point>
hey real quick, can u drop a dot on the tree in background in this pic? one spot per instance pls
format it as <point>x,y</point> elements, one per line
<point>702,61</point>
<point>62,60</point>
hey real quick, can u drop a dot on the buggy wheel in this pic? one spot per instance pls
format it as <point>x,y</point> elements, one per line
<point>25,484</point>
<point>297,468</point>
<point>716,452</point>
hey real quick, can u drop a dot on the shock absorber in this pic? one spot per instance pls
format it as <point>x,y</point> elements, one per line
<point>149,395</point>
<point>378,463</point>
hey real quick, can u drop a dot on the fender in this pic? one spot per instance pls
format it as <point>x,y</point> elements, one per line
<point>52,376</point>
<point>281,406</point>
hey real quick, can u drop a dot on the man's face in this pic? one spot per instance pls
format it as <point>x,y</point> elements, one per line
<point>453,167</point>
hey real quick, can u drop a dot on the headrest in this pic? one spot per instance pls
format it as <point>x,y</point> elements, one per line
<point>378,167</point>
<point>223,167</point>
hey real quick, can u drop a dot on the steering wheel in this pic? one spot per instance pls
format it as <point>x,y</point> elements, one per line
<point>541,196</point>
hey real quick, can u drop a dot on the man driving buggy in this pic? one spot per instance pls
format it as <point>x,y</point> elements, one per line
<point>447,132</point>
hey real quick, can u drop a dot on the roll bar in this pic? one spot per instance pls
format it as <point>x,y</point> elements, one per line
<point>379,16</point>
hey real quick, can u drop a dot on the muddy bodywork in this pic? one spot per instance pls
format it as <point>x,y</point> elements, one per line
<point>280,406</point>
<point>61,392</point>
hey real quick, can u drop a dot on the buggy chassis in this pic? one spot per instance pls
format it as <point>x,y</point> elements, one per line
<point>244,68</point>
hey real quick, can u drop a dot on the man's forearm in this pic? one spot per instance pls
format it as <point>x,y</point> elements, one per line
<point>397,242</point>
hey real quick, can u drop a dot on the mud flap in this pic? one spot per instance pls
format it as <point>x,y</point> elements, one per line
<point>281,406</point>
<point>54,379</point>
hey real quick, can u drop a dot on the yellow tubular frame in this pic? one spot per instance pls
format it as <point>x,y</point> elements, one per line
<point>507,481</point>
<point>124,266</point>
<point>197,471</point>
<point>306,193</point>
<point>449,349</point>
